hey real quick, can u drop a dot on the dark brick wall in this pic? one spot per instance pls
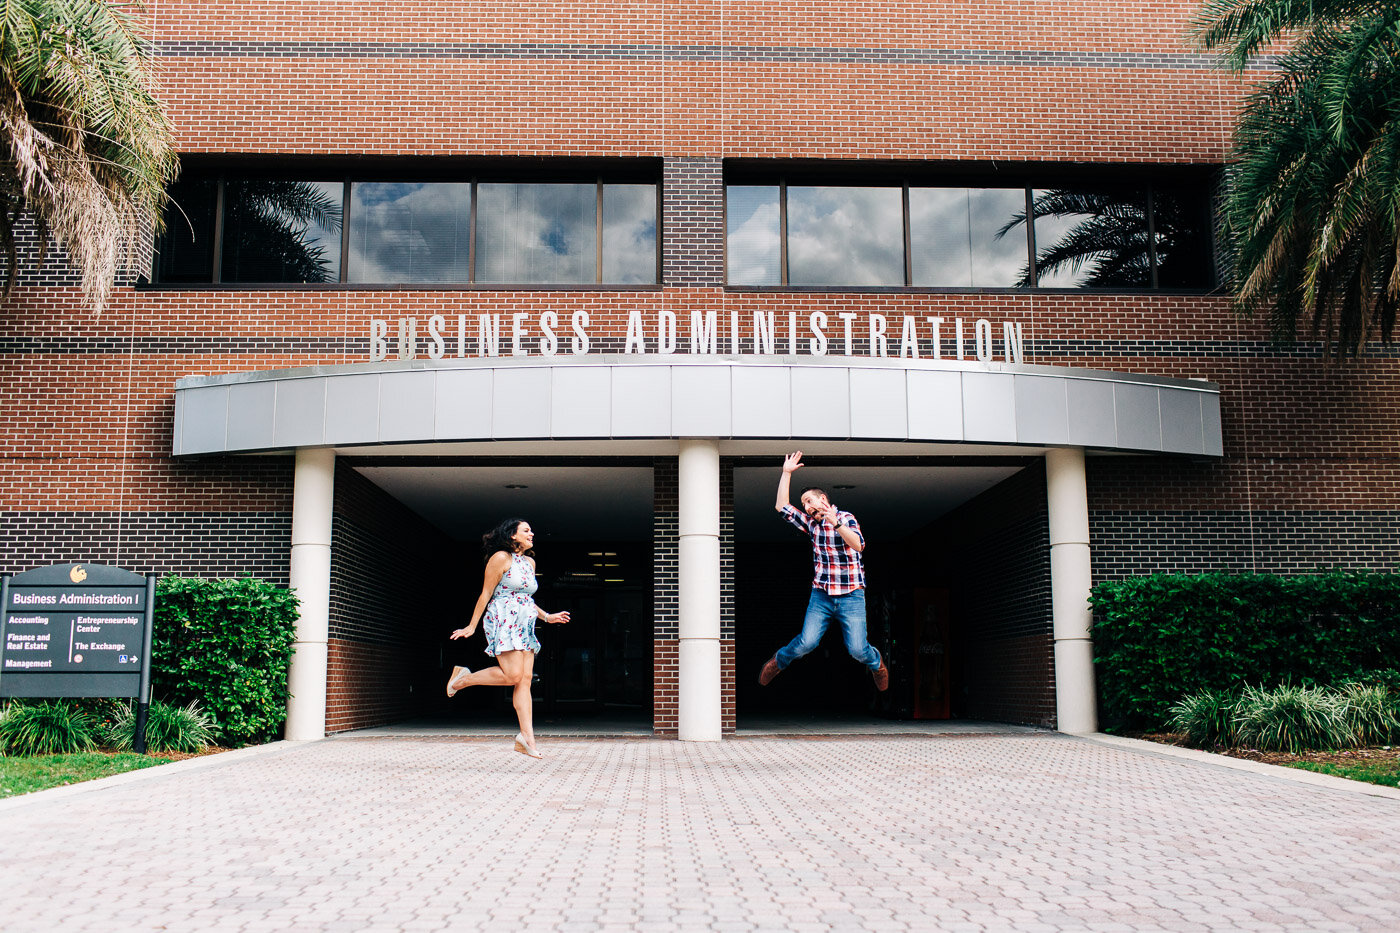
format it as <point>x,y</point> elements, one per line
<point>396,593</point>
<point>665,588</point>
<point>997,549</point>
<point>666,646</point>
<point>1126,544</point>
<point>1310,475</point>
<point>1287,510</point>
<point>216,517</point>
<point>192,544</point>
<point>693,218</point>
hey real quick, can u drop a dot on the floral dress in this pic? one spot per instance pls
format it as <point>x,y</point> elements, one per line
<point>509,620</point>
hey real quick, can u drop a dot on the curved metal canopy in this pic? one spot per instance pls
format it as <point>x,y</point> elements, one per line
<point>616,397</point>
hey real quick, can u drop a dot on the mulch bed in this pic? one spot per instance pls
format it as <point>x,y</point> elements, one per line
<point>1344,757</point>
<point>172,756</point>
<point>181,756</point>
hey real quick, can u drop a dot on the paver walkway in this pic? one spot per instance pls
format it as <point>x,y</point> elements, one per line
<point>1020,831</point>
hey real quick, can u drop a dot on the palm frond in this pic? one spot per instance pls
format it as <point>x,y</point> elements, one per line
<point>91,150</point>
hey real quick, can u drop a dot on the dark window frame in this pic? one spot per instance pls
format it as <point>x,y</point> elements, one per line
<point>599,173</point>
<point>1148,179</point>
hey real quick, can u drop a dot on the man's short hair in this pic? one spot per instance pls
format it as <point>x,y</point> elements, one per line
<point>816,489</point>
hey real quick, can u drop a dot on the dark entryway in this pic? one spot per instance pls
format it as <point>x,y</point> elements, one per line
<point>957,597</point>
<point>599,665</point>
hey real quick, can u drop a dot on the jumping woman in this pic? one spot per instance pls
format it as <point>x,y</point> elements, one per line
<point>508,608</point>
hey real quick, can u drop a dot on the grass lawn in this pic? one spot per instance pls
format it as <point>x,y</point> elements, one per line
<point>24,775</point>
<point>1384,771</point>
<point>1374,765</point>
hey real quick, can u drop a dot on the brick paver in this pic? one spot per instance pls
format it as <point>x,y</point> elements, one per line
<point>1027,832</point>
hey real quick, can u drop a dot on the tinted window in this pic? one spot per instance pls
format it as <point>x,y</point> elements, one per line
<point>753,235</point>
<point>406,232</point>
<point>1091,238</point>
<point>536,234</point>
<point>845,236</point>
<point>629,234</point>
<point>282,231</point>
<point>185,252</point>
<point>1181,223</point>
<point>967,236</point>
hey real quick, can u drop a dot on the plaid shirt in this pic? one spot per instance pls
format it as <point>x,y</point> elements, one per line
<point>838,569</point>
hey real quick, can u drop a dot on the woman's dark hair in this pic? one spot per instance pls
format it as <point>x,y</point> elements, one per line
<point>499,539</point>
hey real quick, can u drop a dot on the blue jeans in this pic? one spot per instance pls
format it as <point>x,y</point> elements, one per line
<point>849,610</point>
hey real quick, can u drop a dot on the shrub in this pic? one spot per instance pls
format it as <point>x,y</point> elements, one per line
<point>1371,713</point>
<point>168,728</point>
<point>46,728</point>
<point>226,645</point>
<point>1160,637</point>
<point>1207,718</point>
<point>1293,718</point>
<point>1388,678</point>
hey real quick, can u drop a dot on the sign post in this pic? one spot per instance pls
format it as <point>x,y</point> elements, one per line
<point>78,630</point>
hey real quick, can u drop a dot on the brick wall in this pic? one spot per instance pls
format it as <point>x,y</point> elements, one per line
<point>208,518</point>
<point>665,584</point>
<point>997,80</point>
<point>997,549</point>
<point>396,592</point>
<point>665,588</point>
<point>1310,475</point>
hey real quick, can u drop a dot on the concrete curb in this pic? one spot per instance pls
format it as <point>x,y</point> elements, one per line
<point>129,777</point>
<point>1297,775</point>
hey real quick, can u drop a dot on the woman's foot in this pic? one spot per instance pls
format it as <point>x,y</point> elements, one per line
<point>457,674</point>
<point>524,749</point>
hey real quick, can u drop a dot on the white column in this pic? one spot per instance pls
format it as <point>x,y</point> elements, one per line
<point>1070,580</point>
<point>698,581</point>
<point>312,493</point>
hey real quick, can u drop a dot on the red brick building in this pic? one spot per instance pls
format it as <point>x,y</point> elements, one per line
<point>600,266</point>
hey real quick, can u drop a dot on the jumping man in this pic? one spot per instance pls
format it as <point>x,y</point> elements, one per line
<point>838,587</point>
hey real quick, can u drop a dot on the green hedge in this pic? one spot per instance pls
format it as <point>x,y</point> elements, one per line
<point>226,645</point>
<point>1161,637</point>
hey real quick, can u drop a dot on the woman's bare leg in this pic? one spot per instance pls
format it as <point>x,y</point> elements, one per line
<point>519,666</point>
<point>487,677</point>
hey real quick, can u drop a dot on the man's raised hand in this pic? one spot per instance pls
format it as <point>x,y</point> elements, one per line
<point>792,462</point>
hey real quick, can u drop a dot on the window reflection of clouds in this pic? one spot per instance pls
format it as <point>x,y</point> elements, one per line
<point>629,234</point>
<point>409,232</point>
<point>845,236</point>
<point>953,241</point>
<point>540,234</point>
<point>752,241</point>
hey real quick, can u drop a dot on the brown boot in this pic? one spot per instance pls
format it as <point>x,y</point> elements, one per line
<point>882,677</point>
<point>770,670</point>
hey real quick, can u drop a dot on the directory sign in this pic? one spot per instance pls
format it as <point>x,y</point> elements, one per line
<point>75,630</point>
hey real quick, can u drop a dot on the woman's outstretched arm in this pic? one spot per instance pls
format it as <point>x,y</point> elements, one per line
<point>495,569</point>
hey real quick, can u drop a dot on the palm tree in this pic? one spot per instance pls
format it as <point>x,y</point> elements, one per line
<point>1312,204</point>
<point>268,220</point>
<point>1114,243</point>
<point>88,149</point>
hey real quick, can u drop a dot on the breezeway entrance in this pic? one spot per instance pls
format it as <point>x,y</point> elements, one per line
<point>958,597</point>
<point>695,421</point>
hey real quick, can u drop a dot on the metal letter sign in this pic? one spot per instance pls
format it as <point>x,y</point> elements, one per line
<point>78,630</point>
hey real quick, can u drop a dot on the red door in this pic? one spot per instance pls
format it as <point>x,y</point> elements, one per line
<point>931,667</point>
